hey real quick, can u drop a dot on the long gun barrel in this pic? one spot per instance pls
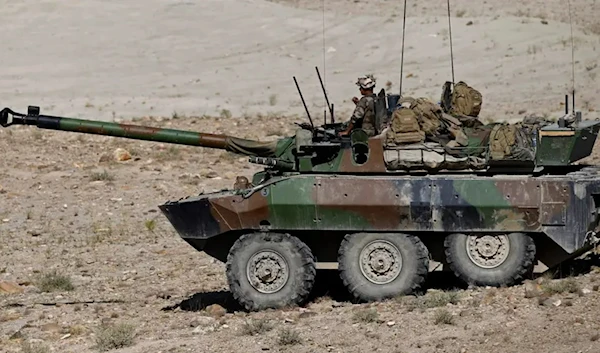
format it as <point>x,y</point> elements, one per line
<point>182,137</point>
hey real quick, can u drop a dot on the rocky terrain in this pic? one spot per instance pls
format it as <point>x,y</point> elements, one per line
<point>88,264</point>
<point>84,251</point>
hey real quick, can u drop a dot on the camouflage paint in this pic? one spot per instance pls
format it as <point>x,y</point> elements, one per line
<point>290,203</point>
<point>368,197</point>
<point>142,133</point>
<point>559,206</point>
<point>562,146</point>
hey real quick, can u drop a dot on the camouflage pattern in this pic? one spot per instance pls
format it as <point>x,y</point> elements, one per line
<point>364,114</point>
<point>320,187</point>
<point>557,206</point>
<point>229,143</point>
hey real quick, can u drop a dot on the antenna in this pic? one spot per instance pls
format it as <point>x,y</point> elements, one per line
<point>305,107</point>
<point>572,55</point>
<point>332,116</point>
<point>330,106</point>
<point>402,57</point>
<point>324,70</point>
<point>451,52</point>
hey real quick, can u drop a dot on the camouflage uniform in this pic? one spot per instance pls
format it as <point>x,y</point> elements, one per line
<point>364,115</point>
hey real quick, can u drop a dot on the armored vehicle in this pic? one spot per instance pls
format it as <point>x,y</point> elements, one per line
<point>378,213</point>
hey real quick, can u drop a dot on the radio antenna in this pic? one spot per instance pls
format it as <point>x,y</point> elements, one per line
<point>451,52</point>
<point>402,57</point>
<point>572,55</point>
<point>305,107</point>
<point>324,69</point>
<point>329,106</point>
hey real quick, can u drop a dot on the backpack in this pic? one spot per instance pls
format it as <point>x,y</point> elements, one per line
<point>429,115</point>
<point>466,100</point>
<point>404,128</point>
<point>510,142</point>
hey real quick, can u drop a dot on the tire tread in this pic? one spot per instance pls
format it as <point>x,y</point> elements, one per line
<point>308,273</point>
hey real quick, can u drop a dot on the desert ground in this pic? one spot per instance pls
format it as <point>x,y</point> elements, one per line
<point>88,263</point>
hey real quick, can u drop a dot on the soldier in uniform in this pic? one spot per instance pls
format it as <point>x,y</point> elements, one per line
<point>364,113</point>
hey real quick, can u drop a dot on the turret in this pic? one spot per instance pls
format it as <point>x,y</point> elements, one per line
<point>320,149</point>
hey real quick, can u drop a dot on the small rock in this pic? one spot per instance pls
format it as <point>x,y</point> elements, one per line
<point>306,314</point>
<point>470,23</point>
<point>557,302</point>
<point>203,330</point>
<point>104,158</point>
<point>337,304</point>
<point>215,310</point>
<point>586,291</point>
<point>546,302</point>
<point>10,288</point>
<point>532,290</point>
<point>10,316</point>
<point>121,155</point>
<point>203,321</point>
<point>391,323</point>
<point>596,287</point>
<point>12,329</point>
<point>229,175</point>
<point>34,233</point>
<point>544,22</point>
<point>211,174</point>
<point>52,327</point>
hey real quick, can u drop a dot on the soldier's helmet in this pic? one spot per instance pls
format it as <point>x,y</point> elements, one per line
<point>366,82</point>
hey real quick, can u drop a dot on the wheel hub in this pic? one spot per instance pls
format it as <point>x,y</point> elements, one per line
<point>380,262</point>
<point>488,251</point>
<point>267,271</point>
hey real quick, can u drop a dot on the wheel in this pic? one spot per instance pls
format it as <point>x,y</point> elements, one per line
<point>376,266</point>
<point>270,270</point>
<point>490,259</point>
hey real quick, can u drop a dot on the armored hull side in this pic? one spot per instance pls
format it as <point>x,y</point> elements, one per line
<point>561,207</point>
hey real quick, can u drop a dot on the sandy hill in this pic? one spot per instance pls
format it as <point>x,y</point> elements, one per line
<point>106,59</point>
<point>87,263</point>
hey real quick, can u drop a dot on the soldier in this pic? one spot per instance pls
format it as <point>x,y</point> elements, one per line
<point>364,113</point>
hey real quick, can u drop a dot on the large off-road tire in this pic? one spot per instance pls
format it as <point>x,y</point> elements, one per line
<point>376,266</point>
<point>270,270</point>
<point>490,259</point>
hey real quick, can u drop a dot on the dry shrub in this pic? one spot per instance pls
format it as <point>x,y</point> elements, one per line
<point>443,316</point>
<point>569,285</point>
<point>114,337</point>
<point>254,327</point>
<point>28,347</point>
<point>288,337</point>
<point>365,315</point>
<point>54,281</point>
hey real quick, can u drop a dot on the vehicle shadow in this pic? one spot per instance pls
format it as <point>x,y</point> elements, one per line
<point>328,285</point>
<point>202,300</point>
<point>577,266</point>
